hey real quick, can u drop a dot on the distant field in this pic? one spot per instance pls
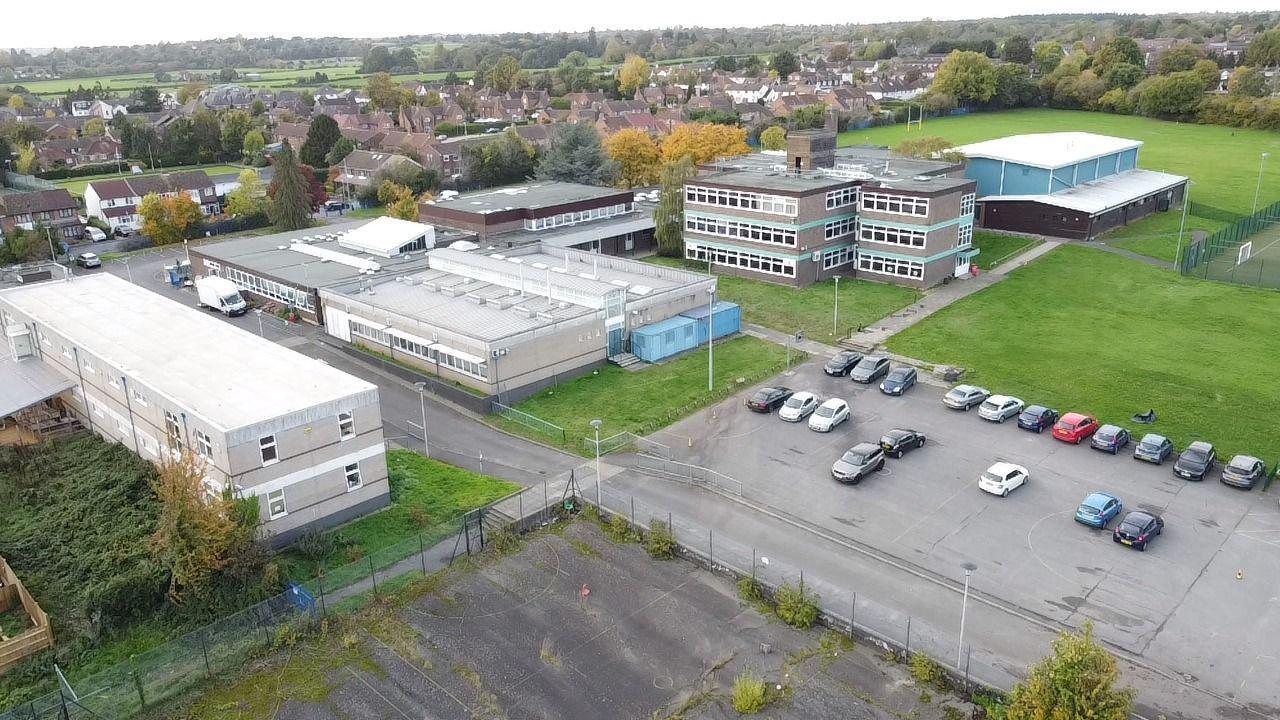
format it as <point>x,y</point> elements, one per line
<point>76,186</point>
<point>1221,161</point>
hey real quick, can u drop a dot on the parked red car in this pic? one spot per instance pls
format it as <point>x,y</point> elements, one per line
<point>1075,427</point>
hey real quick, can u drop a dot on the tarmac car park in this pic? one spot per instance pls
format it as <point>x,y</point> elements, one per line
<point>926,508</point>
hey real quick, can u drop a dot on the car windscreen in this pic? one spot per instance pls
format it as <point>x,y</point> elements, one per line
<point>762,396</point>
<point>853,458</point>
<point>794,402</point>
<point>1243,466</point>
<point>867,363</point>
<point>826,411</point>
<point>990,405</point>
<point>1129,528</point>
<point>1194,456</point>
<point>1064,425</point>
<point>1105,434</point>
<point>900,374</point>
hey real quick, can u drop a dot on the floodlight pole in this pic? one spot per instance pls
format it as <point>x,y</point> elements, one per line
<point>1258,188</point>
<point>1186,201</point>
<point>422,401</point>
<point>711,307</point>
<point>835,315</point>
<point>596,424</point>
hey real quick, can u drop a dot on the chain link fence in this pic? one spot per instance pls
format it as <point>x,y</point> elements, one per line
<point>1245,252</point>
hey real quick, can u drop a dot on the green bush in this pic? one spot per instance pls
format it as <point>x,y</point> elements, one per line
<point>619,530</point>
<point>926,671</point>
<point>750,694</point>
<point>660,542</point>
<point>750,591</point>
<point>796,606</point>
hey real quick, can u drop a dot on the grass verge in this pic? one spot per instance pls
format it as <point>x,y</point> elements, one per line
<point>997,248</point>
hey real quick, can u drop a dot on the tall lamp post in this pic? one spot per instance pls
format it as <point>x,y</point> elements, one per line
<point>422,401</point>
<point>711,310</point>
<point>1258,188</point>
<point>1186,201</point>
<point>969,568</point>
<point>596,424</point>
<point>835,315</point>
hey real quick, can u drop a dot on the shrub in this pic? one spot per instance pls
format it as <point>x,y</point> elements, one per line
<point>749,590</point>
<point>315,546</point>
<point>926,671</point>
<point>504,541</point>
<point>660,542</point>
<point>619,530</point>
<point>750,695</point>
<point>796,606</point>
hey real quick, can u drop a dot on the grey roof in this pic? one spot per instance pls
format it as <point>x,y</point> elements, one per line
<point>24,383</point>
<point>766,171</point>
<point>230,377</point>
<point>539,194</point>
<point>573,235</point>
<point>270,255</point>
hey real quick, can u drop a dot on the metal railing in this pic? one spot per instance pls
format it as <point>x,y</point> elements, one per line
<point>688,472</point>
<point>533,422</point>
<point>627,439</point>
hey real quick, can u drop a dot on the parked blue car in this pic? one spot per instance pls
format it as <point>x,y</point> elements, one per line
<point>1098,509</point>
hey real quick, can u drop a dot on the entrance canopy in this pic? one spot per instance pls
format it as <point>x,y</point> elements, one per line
<point>28,382</point>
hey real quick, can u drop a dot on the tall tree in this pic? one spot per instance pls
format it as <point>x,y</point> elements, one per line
<point>784,63</point>
<point>637,155</point>
<point>507,160</point>
<point>385,94</point>
<point>195,533</point>
<point>1017,49</point>
<point>1117,50</point>
<point>967,76</point>
<point>167,220</point>
<point>505,74</point>
<point>6,154</point>
<point>576,155</point>
<point>702,143</point>
<point>615,51</point>
<point>290,207</point>
<point>321,137</point>
<point>1048,55</point>
<point>1077,681</point>
<point>1247,82</point>
<point>235,125</point>
<point>668,217</point>
<point>250,198</point>
<point>633,75</point>
<point>93,127</point>
<point>399,201</point>
<point>1179,58</point>
<point>206,136</point>
<point>774,137</point>
<point>340,150</point>
<point>1264,51</point>
<point>252,147</point>
<point>378,59</point>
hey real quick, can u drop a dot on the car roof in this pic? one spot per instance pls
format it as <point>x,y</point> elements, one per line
<point>1153,438</point>
<point>1138,517</point>
<point>900,370</point>
<point>898,432</point>
<point>1109,429</point>
<point>804,394</point>
<point>1098,498</point>
<point>1243,460</point>
<point>1003,468</point>
<point>865,447</point>
<point>999,399</point>
<point>1074,417</point>
<point>966,389</point>
<point>833,402</point>
<point>1200,445</point>
<point>1035,409</point>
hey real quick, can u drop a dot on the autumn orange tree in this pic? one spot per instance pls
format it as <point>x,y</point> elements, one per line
<point>639,160</point>
<point>398,200</point>
<point>167,219</point>
<point>704,142</point>
<point>197,532</point>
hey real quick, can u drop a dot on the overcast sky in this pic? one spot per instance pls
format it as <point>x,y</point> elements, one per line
<point>89,22</point>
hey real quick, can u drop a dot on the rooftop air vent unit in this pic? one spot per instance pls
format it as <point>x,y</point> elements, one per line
<point>282,247</point>
<point>922,178</point>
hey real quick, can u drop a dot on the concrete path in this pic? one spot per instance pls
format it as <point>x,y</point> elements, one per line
<point>1105,247</point>
<point>875,334</point>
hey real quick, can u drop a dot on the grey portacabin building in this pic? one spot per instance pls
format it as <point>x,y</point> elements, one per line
<point>166,379</point>
<point>817,211</point>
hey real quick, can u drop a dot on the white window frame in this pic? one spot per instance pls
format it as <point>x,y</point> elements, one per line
<point>352,472</point>
<point>888,235</point>
<point>843,197</point>
<point>840,228</point>
<point>741,199</point>
<point>740,230</point>
<point>966,203</point>
<point>895,204</point>
<point>346,425</point>
<point>88,365</point>
<point>66,352</point>
<point>741,259</point>
<point>204,445</point>
<point>964,236</point>
<point>173,431</point>
<point>839,256</point>
<point>272,498</point>
<point>268,442</point>
<point>139,396</point>
<point>893,267</point>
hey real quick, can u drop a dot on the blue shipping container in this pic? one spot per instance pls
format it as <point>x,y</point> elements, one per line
<point>726,319</point>
<point>660,340</point>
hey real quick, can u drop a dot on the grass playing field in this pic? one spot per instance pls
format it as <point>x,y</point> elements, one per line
<point>1221,161</point>
<point>275,78</point>
<point>1202,354</point>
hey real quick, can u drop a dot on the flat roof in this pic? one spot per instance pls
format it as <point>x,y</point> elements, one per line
<point>538,194</point>
<point>488,295</point>
<point>27,382</point>
<point>1049,150</point>
<point>577,234</point>
<point>382,236</point>
<point>271,254</point>
<point>227,376</point>
<point>870,165</point>
<point>1098,196</point>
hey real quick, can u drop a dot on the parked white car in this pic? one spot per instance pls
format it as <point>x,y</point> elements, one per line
<point>93,234</point>
<point>828,415</point>
<point>1003,478</point>
<point>999,408</point>
<point>798,407</point>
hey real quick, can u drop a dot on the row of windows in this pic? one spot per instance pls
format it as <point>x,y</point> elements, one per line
<point>740,230</point>
<point>891,266</point>
<point>741,259</point>
<point>840,228</point>
<point>433,353</point>
<point>891,235</point>
<point>571,218</point>
<point>776,204</point>
<point>369,332</point>
<point>43,216</point>
<point>897,204</point>
<point>842,197</point>
<point>278,508</point>
<point>966,204</point>
<point>269,288</point>
<point>964,236</point>
<point>838,257</point>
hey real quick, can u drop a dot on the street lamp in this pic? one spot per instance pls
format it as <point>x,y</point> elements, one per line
<point>1258,188</point>
<point>596,424</point>
<point>711,308</point>
<point>835,316</point>
<point>969,568</point>
<point>1186,201</point>
<point>256,310</point>
<point>128,270</point>
<point>422,401</point>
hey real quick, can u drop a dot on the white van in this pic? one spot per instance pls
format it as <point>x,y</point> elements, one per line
<point>220,294</point>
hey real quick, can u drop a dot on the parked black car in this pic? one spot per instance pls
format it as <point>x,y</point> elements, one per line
<point>898,441</point>
<point>1110,438</point>
<point>768,399</point>
<point>1195,462</point>
<point>122,231</point>
<point>869,368</point>
<point>1244,471</point>
<point>842,363</point>
<point>898,381</point>
<point>1137,529</point>
<point>1037,418</point>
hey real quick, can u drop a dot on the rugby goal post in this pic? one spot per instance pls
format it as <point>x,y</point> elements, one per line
<point>1244,253</point>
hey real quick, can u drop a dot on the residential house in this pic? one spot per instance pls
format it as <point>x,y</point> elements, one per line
<point>359,169</point>
<point>293,133</point>
<point>419,119</point>
<point>116,201</point>
<point>365,121</point>
<point>53,209</point>
<point>784,106</point>
<point>365,139</point>
<point>848,101</point>
<point>614,108</point>
<point>895,89</point>
<point>74,152</point>
<point>581,100</point>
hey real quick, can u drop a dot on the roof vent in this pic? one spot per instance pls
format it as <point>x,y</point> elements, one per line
<point>922,178</point>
